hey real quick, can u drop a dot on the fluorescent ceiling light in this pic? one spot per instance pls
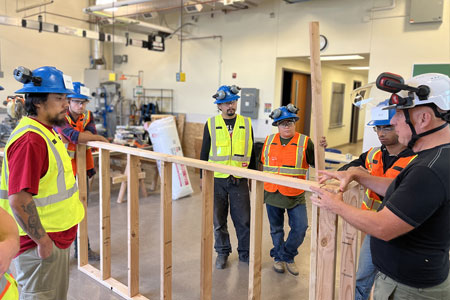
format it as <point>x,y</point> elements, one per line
<point>341,57</point>
<point>359,68</point>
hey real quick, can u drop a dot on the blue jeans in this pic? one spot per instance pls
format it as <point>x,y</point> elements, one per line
<point>366,272</point>
<point>298,222</point>
<point>233,196</point>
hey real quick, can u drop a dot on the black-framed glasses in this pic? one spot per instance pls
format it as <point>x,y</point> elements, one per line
<point>286,124</point>
<point>389,128</point>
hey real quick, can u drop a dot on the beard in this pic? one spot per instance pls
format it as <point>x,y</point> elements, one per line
<point>58,120</point>
<point>230,112</point>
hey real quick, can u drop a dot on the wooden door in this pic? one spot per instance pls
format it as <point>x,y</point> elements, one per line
<point>298,98</point>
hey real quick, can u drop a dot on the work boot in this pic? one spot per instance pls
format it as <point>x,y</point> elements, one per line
<point>278,266</point>
<point>244,258</point>
<point>292,268</point>
<point>93,256</point>
<point>221,261</point>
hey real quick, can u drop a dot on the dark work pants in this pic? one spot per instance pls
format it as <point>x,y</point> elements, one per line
<point>234,195</point>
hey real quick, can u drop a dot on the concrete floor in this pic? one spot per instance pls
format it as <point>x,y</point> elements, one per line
<point>230,283</point>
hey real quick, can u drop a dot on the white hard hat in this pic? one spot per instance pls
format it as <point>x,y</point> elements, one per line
<point>438,92</point>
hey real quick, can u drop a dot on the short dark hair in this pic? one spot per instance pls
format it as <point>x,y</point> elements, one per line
<point>31,100</point>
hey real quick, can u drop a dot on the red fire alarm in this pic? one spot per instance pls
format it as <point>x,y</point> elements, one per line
<point>233,75</point>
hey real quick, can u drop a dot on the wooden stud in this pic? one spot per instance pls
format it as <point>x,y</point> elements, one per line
<point>207,235</point>
<point>323,266</point>
<point>82,190</point>
<point>124,177</point>
<point>256,220</point>
<point>105,214</point>
<point>349,243</point>
<point>166,230</point>
<point>123,186</point>
<point>133,225</point>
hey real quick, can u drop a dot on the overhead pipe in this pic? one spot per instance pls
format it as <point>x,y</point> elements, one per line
<point>31,6</point>
<point>113,5</point>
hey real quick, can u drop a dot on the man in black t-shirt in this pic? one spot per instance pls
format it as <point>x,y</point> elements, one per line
<point>411,230</point>
<point>228,140</point>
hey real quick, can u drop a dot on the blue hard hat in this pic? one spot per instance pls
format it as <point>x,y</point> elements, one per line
<point>380,121</point>
<point>283,113</point>
<point>79,92</point>
<point>43,80</point>
<point>226,94</point>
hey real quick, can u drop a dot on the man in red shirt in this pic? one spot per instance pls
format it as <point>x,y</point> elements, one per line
<point>38,187</point>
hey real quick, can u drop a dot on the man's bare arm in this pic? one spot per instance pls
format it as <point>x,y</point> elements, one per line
<point>87,136</point>
<point>25,212</point>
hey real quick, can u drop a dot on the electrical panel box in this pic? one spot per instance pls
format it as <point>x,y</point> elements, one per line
<point>426,11</point>
<point>249,102</point>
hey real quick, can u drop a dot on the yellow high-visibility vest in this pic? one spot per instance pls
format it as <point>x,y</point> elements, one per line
<point>234,150</point>
<point>8,288</point>
<point>57,202</point>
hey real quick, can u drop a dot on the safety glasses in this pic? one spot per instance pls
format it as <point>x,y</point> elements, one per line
<point>385,129</point>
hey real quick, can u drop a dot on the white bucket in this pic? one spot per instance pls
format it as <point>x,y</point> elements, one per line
<point>164,136</point>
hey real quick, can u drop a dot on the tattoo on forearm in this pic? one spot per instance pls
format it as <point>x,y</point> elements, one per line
<point>32,225</point>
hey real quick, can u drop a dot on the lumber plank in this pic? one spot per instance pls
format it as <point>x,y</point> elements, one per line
<point>207,235</point>
<point>349,243</point>
<point>166,231</point>
<point>105,214</point>
<point>82,190</point>
<point>133,225</point>
<point>256,221</point>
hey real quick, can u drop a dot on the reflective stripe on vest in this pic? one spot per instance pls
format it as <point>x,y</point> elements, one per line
<point>60,181</point>
<point>280,160</point>
<point>229,150</point>
<point>8,287</point>
<point>57,201</point>
<point>371,200</point>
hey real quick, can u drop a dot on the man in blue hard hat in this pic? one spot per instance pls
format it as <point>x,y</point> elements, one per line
<point>286,153</point>
<point>228,140</point>
<point>385,161</point>
<point>38,187</point>
<point>80,128</point>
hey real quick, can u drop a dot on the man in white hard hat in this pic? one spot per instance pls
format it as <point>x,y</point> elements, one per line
<point>410,232</point>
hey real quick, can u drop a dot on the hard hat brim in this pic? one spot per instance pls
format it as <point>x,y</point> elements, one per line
<point>40,90</point>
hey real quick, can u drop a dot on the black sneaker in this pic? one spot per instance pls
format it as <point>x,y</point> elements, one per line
<point>221,261</point>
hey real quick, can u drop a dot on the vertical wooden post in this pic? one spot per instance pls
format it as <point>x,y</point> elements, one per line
<point>105,214</point>
<point>133,225</point>
<point>323,234</point>
<point>166,230</point>
<point>254,274</point>
<point>207,235</point>
<point>82,190</point>
<point>348,250</point>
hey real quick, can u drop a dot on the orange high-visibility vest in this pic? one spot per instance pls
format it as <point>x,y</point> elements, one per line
<point>80,126</point>
<point>288,160</point>
<point>374,164</point>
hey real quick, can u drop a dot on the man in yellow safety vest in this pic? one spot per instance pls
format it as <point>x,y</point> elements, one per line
<point>228,140</point>
<point>38,188</point>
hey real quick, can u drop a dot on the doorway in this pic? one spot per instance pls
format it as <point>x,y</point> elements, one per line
<point>355,116</point>
<point>297,91</point>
